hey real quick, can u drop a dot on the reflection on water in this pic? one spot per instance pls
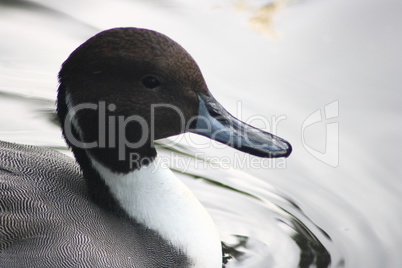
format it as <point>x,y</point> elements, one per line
<point>262,16</point>
<point>306,214</point>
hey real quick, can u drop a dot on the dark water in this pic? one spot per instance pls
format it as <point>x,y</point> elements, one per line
<point>325,75</point>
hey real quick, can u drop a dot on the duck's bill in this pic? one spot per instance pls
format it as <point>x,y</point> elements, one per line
<point>216,123</point>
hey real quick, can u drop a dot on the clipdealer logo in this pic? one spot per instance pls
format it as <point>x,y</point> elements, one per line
<point>329,114</point>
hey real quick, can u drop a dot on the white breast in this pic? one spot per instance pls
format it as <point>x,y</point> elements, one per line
<point>154,197</point>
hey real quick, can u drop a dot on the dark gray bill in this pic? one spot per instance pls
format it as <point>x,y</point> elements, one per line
<point>216,123</point>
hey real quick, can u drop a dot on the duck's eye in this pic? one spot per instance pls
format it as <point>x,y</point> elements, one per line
<point>150,82</point>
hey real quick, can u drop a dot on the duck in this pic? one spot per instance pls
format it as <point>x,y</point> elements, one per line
<point>114,205</point>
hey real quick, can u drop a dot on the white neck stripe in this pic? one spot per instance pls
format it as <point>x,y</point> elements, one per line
<point>154,197</point>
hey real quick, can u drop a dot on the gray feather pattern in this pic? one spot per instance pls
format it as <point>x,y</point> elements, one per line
<point>47,219</point>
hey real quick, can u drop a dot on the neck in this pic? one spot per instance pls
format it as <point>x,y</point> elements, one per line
<point>155,198</point>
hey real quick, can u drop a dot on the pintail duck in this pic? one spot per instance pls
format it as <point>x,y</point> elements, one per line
<point>119,91</point>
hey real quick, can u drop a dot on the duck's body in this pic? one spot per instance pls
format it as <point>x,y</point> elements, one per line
<point>109,210</point>
<point>52,221</point>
